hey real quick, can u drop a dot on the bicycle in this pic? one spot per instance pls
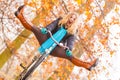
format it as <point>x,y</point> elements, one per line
<point>45,49</point>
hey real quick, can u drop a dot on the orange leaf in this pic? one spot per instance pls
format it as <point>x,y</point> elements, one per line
<point>103,41</point>
<point>51,63</point>
<point>1,78</point>
<point>111,53</point>
<point>87,27</point>
<point>31,4</point>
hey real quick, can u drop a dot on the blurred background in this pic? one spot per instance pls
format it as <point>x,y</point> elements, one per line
<point>98,35</point>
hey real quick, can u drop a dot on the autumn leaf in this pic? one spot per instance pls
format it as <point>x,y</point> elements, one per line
<point>111,53</point>
<point>50,63</point>
<point>32,4</point>
<point>88,14</point>
<point>79,1</point>
<point>103,41</point>
<point>1,78</point>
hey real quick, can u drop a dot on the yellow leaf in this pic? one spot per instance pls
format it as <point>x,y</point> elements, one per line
<point>87,12</point>
<point>117,9</point>
<point>33,0</point>
<point>79,1</point>
<point>54,1</point>
<point>50,63</point>
<point>111,53</point>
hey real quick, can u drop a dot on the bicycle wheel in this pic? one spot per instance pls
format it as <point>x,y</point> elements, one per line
<point>33,67</point>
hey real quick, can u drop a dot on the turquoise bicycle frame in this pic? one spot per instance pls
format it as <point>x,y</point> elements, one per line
<point>49,44</point>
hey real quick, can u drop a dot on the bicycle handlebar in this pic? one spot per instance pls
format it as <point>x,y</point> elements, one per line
<point>68,51</point>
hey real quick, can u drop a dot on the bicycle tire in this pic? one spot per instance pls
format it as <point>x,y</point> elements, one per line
<point>33,67</point>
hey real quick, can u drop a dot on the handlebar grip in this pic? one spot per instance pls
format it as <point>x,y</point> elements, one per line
<point>44,31</point>
<point>68,52</point>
